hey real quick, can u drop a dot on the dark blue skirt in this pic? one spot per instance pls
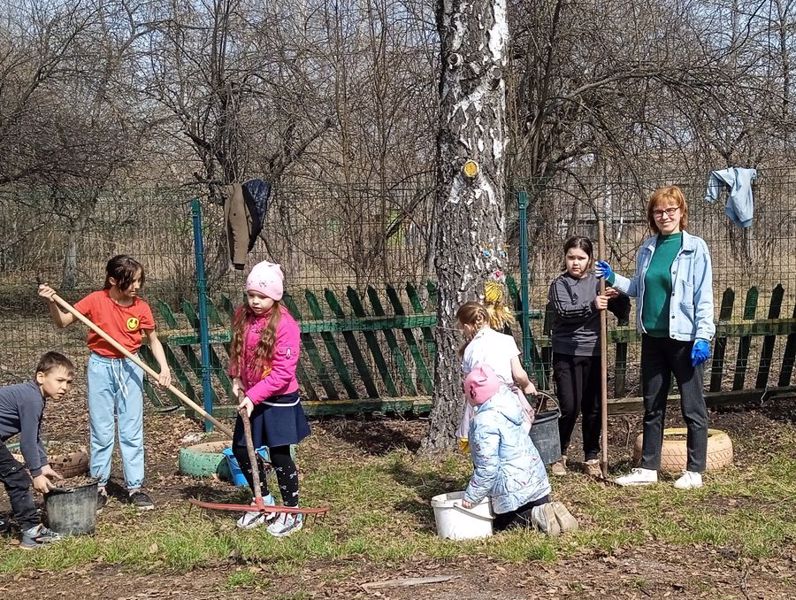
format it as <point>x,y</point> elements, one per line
<point>272,426</point>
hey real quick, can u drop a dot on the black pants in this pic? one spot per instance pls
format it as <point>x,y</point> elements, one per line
<point>520,517</point>
<point>578,386</point>
<point>17,483</point>
<point>660,359</point>
<point>284,467</point>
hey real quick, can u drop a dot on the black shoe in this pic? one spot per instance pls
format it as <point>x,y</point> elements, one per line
<point>102,499</point>
<point>141,501</point>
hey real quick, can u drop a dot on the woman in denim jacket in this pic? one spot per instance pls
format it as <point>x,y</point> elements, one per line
<point>673,285</point>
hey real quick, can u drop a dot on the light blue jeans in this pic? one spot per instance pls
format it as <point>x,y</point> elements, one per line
<point>115,391</point>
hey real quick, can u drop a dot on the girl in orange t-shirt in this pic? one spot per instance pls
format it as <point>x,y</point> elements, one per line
<point>115,383</point>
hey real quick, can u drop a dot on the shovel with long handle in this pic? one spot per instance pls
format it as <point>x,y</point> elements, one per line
<point>603,360</point>
<point>183,398</point>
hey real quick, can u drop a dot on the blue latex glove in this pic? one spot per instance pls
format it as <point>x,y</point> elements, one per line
<point>603,269</point>
<point>700,352</point>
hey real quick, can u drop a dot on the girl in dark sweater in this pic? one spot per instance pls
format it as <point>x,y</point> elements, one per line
<point>576,302</point>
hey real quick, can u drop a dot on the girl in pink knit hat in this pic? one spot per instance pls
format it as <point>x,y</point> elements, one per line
<point>507,467</point>
<point>263,359</point>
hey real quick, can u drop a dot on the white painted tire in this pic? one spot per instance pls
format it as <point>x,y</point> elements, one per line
<point>674,454</point>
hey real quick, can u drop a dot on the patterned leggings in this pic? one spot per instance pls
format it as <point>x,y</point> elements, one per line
<point>284,467</point>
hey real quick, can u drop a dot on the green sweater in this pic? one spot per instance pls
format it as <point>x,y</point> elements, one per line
<point>658,285</point>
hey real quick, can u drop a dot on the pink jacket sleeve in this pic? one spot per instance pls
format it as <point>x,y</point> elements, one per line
<point>283,368</point>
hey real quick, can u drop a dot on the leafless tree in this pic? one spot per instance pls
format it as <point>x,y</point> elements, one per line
<point>68,125</point>
<point>628,90</point>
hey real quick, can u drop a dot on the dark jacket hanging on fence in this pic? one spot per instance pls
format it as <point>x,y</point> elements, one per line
<point>245,207</point>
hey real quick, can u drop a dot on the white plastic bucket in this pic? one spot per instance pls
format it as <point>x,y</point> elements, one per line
<point>455,522</point>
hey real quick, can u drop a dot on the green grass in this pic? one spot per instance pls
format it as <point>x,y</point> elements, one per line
<point>380,512</point>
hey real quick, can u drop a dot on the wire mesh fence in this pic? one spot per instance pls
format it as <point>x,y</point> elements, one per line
<point>756,258</point>
<point>341,246</point>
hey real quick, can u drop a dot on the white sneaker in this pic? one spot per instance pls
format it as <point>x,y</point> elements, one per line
<point>689,480</point>
<point>638,477</point>
<point>255,518</point>
<point>286,524</point>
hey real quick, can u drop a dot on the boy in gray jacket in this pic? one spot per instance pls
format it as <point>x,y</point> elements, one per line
<point>21,411</point>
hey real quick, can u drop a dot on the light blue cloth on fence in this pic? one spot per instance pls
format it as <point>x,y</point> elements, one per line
<point>740,201</point>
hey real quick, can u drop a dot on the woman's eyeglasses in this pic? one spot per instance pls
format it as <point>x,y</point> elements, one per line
<point>669,212</point>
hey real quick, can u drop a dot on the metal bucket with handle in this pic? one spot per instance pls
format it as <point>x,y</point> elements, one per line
<point>544,431</point>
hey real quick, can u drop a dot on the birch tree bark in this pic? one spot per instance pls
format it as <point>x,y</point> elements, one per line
<point>471,147</point>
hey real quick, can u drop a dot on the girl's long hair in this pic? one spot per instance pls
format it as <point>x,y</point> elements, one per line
<point>266,346</point>
<point>471,313</point>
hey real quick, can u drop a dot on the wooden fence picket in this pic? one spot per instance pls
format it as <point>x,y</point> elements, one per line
<point>372,343</point>
<point>428,334</point>
<point>308,345</point>
<point>745,341</point>
<point>392,343</point>
<point>353,346</point>
<point>423,373</point>
<point>788,357</point>
<point>720,343</point>
<point>331,348</point>
<point>767,351</point>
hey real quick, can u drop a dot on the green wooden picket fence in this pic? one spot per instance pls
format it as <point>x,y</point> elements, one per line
<point>374,351</point>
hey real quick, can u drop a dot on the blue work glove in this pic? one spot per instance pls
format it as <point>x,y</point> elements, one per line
<point>603,269</point>
<point>700,352</point>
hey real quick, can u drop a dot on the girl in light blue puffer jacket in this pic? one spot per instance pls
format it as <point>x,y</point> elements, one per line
<point>507,467</point>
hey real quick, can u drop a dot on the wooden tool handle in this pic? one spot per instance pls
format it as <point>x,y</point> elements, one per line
<point>96,329</point>
<point>247,433</point>
<point>603,359</point>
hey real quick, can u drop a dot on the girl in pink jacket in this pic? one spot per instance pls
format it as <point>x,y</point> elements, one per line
<point>263,359</point>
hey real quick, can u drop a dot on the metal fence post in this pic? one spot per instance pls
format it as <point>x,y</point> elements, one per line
<point>522,203</point>
<point>201,287</point>
<point>531,360</point>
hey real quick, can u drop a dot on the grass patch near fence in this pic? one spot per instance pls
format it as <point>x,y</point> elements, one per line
<point>380,512</point>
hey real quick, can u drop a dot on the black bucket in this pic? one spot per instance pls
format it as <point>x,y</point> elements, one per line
<point>72,511</point>
<point>544,431</point>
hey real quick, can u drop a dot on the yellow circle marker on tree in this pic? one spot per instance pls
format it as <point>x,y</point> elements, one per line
<point>470,169</point>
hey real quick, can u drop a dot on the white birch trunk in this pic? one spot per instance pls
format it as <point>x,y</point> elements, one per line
<point>469,211</point>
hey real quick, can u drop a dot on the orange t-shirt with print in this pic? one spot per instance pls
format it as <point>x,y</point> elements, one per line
<point>123,323</point>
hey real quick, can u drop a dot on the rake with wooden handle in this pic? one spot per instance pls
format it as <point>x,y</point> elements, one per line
<point>259,504</point>
<point>151,372</point>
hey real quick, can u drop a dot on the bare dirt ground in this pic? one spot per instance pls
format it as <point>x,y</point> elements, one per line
<point>654,570</point>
